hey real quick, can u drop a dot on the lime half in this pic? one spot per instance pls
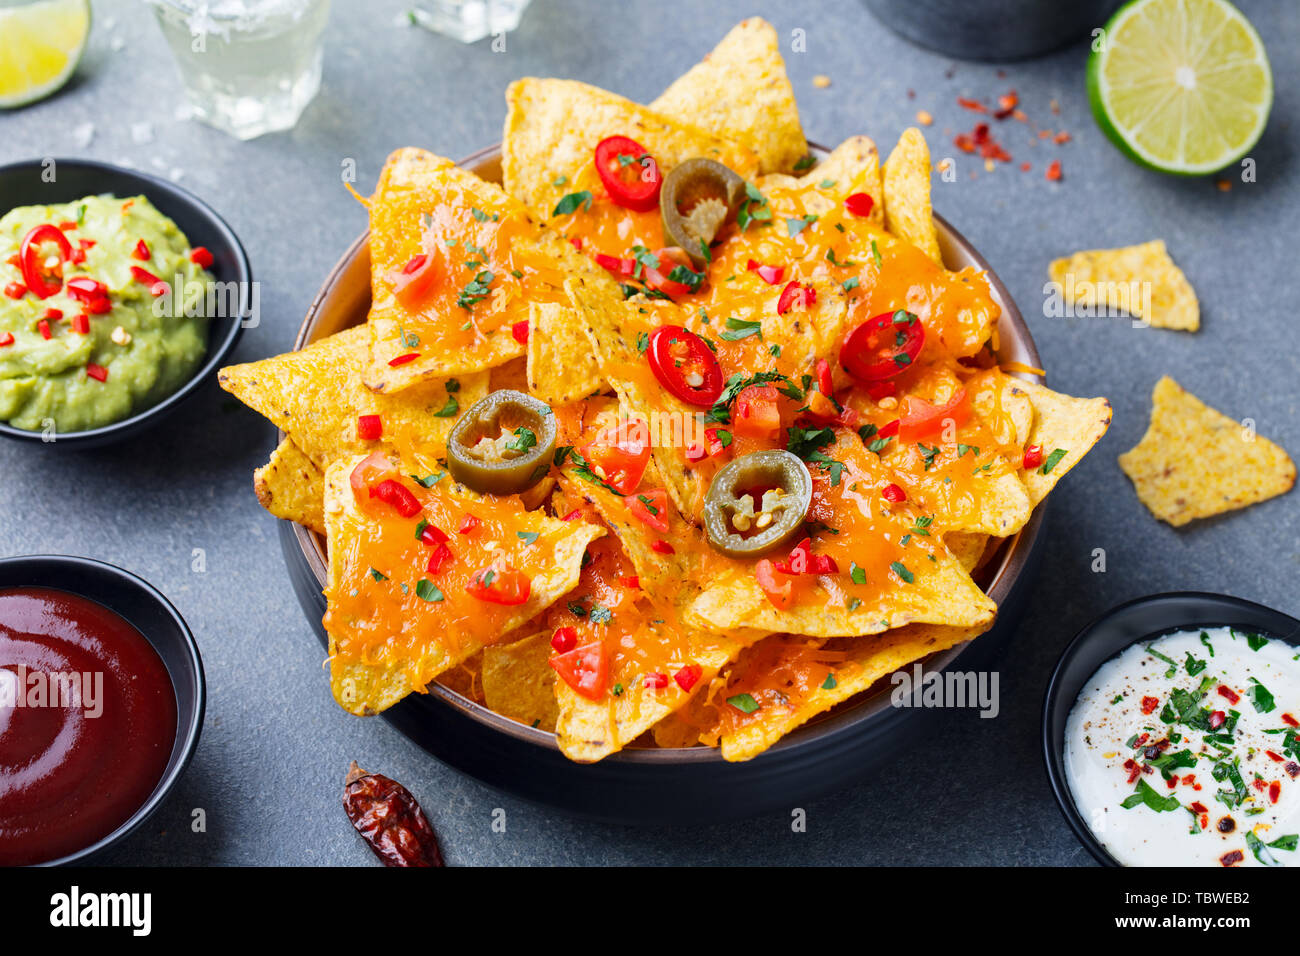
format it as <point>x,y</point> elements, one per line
<point>40,46</point>
<point>1182,86</point>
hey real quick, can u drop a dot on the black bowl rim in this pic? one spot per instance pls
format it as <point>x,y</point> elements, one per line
<point>216,355</point>
<point>1287,629</point>
<point>1022,547</point>
<point>192,719</point>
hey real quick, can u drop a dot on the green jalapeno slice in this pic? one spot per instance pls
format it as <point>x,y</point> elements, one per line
<point>742,527</point>
<point>695,200</point>
<point>503,444</point>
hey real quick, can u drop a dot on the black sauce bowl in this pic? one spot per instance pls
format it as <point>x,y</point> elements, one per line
<point>24,184</point>
<point>1120,628</point>
<point>142,606</point>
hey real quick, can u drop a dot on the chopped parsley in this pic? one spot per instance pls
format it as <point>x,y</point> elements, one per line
<point>572,202</point>
<point>426,590</point>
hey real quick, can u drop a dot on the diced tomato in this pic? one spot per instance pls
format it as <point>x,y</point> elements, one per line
<point>650,508</point>
<point>859,204</point>
<point>585,669</point>
<point>619,455</point>
<point>684,365</point>
<point>369,427</point>
<point>499,583</point>
<point>201,257</point>
<point>756,412</point>
<point>432,535</point>
<point>630,175</point>
<point>892,492</point>
<point>468,524</point>
<point>803,561</point>
<point>777,587</point>
<point>564,639</point>
<point>1033,457</point>
<point>416,281</point>
<point>769,274</point>
<point>883,347</point>
<point>519,332</point>
<point>656,681</point>
<point>795,295</point>
<point>921,420</point>
<point>367,473</point>
<point>630,581</point>
<point>1217,719</point>
<point>687,677</point>
<point>662,547</point>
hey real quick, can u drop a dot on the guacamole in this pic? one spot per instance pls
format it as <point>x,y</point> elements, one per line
<point>94,326</point>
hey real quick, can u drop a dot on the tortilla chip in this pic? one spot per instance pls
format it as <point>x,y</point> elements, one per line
<point>519,682</point>
<point>290,486</point>
<point>371,667</point>
<point>740,92</point>
<point>839,669</point>
<point>561,368</point>
<point>1118,279</point>
<point>852,167</point>
<point>317,394</point>
<point>466,678</point>
<point>1002,405</point>
<point>908,214</point>
<point>1062,423</point>
<point>967,547</point>
<point>1194,462</point>
<point>552,128</point>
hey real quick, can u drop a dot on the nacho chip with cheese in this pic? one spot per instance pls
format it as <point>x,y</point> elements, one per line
<point>519,682</point>
<point>1065,429</point>
<point>401,610</point>
<point>1194,461</point>
<point>317,396</point>
<point>740,91</point>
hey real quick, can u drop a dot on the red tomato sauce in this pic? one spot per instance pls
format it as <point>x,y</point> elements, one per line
<point>78,755</point>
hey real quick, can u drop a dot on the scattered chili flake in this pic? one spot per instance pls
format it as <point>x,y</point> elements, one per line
<point>1274,756</point>
<point>576,241</point>
<point>975,106</point>
<point>1025,167</point>
<point>1054,171</point>
<point>1290,721</point>
<point>1274,791</point>
<point>821,81</point>
<point>1061,137</point>
<point>1006,104</point>
<point>68,225</point>
<point>1223,185</point>
<point>97,372</point>
<point>1232,696</point>
<point>1232,858</point>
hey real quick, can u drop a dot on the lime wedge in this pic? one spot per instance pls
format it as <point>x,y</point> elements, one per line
<point>40,46</point>
<point>1182,86</point>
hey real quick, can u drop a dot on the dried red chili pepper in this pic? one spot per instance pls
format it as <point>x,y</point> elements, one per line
<point>390,819</point>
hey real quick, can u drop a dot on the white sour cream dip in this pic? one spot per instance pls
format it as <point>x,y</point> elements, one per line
<point>1216,712</point>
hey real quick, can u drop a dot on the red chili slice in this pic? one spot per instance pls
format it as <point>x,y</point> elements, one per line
<point>81,324</point>
<point>892,492</point>
<point>619,455</point>
<point>156,286</point>
<point>15,290</point>
<point>620,267</point>
<point>805,297</point>
<point>440,558</point>
<point>859,204</point>
<point>43,280</point>
<point>662,547</point>
<point>97,372</point>
<point>369,427</point>
<point>630,175</point>
<point>201,257</point>
<point>883,347</point>
<point>393,492</point>
<point>92,293</point>
<point>780,593</point>
<point>403,359</point>
<point>141,251</point>
<point>685,365</point>
<point>43,326</point>
<point>468,524</point>
<point>585,669</point>
<point>6,338</point>
<point>519,332</point>
<point>1032,458</point>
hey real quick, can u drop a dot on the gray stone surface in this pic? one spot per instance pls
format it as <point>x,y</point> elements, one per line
<point>275,746</point>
